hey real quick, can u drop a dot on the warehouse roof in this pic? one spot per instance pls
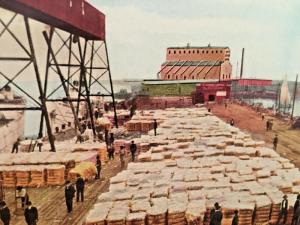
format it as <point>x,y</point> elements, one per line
<point>198,47</point>
<point>193,63</point>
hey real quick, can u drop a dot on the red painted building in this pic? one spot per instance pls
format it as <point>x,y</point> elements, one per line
<point>189,63</point>
<point>211,92</point>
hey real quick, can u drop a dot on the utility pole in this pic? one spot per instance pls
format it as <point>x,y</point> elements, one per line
<point>242,64</point>
<point>237,69</point>
<point>295,93</point>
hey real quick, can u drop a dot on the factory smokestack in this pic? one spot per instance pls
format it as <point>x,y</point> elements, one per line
<point>242,63</point>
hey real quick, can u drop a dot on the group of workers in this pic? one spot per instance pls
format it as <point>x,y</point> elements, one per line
<point>216,214</point>
<point>30,212</point>
<point>38,143</point>
<point>70,192</point>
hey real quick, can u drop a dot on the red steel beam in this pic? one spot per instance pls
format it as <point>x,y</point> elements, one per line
<point>74,16</point>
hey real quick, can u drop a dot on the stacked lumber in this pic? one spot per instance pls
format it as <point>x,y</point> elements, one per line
<point>133,125</point>
<point>22,177</point>
<point>263,207</point>
<point>157,215</point>
<point>102,152</point>
<point>9,178</point>
<point>45,158</point>
<point>55,174</point>
<point>138,218</point>
<point>198,160</point>
<point>144,147</point>
<point>246,210</point>
<point>86,170</point>
<point>146,125</point>
<point>37,177</point>
<point>176,213</point>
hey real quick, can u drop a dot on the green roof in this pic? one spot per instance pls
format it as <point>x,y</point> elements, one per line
<point>155,82</point>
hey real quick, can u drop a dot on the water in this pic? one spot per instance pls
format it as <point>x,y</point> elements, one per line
<point>269,103</point>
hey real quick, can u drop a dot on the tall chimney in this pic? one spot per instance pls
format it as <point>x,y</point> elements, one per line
<point>242,64</point>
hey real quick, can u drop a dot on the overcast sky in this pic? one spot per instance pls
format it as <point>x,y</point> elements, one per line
<point>139,31</point>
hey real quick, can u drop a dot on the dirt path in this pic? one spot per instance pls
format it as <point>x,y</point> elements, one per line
<point>250,121</point>
<point>50,201</point>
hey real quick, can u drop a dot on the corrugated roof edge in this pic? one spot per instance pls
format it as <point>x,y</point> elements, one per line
<point>198,47</point>
<point>193,63</point>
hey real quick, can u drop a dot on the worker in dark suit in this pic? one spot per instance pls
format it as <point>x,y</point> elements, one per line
<point>133,149</point>
<point>98,167</point>
<point>155,126</point>
<point>31,214</point>
<point>283,210</point>
<point>69,195</point>
<point>296,206</point>
<point>218,215</point>
<point>16,146</point>
<point>211,215</point>
<point>235,219</point>
<point>79,188</point>
<point>4,213</point>
<point>275,142</point>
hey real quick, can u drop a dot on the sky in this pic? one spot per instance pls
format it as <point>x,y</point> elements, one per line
<point>139,31</point>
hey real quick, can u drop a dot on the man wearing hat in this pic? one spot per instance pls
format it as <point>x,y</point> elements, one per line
<point>283,210</point>
<point>4,213</point>
<point>296,210</point>
<point>218,215</point>
<point>69,195</point>
<point>31,214</point>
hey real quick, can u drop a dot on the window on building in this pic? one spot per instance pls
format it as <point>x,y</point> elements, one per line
<point>198,51</point>
<point>168,76</point>
<point>206,52</point>
<point>184,52</point>
<point>174,52</point>
<point>169,52</point>
<point>221,51</point>
<point>212,52</point>
<point>189,52</point>
<point>202,51</point>
<point>176,77</point>
<point>216,51</point>
<point>193,77</point>
<point>193,51</point>
<point>185,77</point>
<point>223,76</point>
<point>179,52</point>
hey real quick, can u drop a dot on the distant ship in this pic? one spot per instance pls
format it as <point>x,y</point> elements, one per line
<point>11,122</point>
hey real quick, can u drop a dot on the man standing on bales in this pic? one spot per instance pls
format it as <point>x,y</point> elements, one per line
<point>133,149</point>
<point>98,166</point>
<point>275,142</point>
<point>155,126</point>
<point>122,156</point>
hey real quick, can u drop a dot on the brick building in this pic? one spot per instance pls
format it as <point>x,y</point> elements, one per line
<point>189,63</point>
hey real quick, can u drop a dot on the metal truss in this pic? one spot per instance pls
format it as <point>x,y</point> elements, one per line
<point>69,58</point>
<point>30,60</point>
